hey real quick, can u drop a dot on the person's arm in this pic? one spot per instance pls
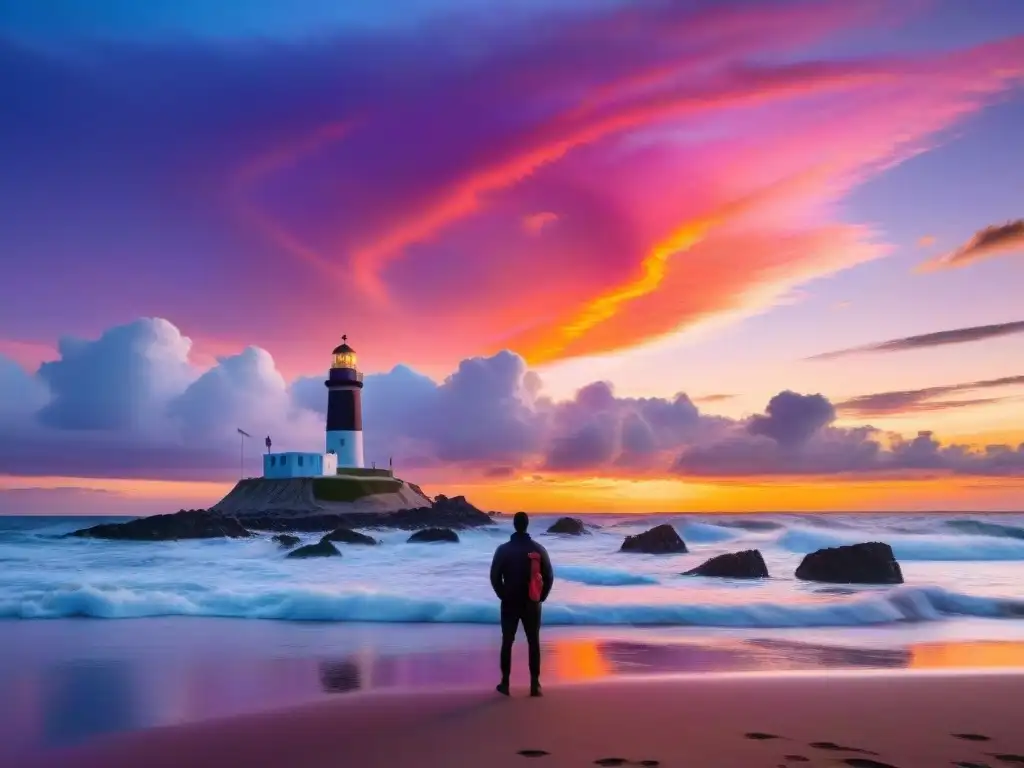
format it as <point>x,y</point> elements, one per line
<point>496,583</point>
<point>547,574</point>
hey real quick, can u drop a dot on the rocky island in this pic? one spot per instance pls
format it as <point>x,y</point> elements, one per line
<point>302,505</point>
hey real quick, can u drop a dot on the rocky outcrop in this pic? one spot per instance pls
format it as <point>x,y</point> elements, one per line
<point>286,540</point>
<point>297,497</point>
<point>348,536</point>
<point>186,524</point>
<point>455,513</point>
<point>870,563</point>
<point>734,565</point>
<point>434,534</point>
<point>660,540</point>
<point>445,512</point>
<point>300,523</point>
<point>571,526</point>
<point>320,549</point>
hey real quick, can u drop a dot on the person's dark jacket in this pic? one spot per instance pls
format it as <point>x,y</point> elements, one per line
<point>510,569</point>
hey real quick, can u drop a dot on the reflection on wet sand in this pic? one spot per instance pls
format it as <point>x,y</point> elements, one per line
<point>967,655</point>
<point>578,659</point>
<point>65,703</point>
<point>340,676</point>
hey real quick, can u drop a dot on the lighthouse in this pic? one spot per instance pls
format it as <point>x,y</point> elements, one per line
<point>344,407</point>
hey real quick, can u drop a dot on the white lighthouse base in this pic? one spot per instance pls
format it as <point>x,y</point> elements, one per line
<point>348,446</point>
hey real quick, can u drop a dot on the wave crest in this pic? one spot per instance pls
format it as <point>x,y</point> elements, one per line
<point>910,546</point>
<point>602,577</point>
<point>905,604</point>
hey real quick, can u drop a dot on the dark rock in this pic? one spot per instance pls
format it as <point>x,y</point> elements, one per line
<point>186,524</point>
<point>572,526</point>
<point>434,534</point>
<point>320,549</point>
<point>348,536</point>
<point>734,565</point>
<point>661,540</point>
<point>302,523</point>
<point>455,513</point>
<point>451,513</point>
<point>870,563</point>
<point>285,539</point>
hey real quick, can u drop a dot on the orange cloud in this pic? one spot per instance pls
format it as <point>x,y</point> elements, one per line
<point>653,272</point>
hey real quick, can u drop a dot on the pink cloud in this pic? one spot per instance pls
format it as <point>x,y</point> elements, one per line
<point>695,159</point>
<point>701,228</point>
<point>28,354</point>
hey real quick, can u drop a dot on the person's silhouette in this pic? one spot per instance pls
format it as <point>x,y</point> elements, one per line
<point>521,576</point>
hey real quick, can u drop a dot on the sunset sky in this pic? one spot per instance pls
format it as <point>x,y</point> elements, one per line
<point>593,254</point>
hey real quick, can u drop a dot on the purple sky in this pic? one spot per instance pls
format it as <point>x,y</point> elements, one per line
<point>669,197</point>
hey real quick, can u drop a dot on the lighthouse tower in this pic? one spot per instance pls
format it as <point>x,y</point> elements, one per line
<point>344,407</point>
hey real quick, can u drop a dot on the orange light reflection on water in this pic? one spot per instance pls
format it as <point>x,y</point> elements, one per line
<point>967,655</point>
<point>578,659</point>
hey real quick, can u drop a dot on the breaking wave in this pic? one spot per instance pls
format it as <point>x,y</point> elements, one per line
<point>982,528</point>
<point>601,577</point>
<point>904,604</point>
<point>910,546</point>
<point>706,533</point>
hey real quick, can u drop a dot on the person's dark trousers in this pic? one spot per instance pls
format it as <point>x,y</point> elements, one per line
<point>527,612</point>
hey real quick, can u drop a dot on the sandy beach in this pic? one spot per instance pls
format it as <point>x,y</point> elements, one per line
<point>868,719</point>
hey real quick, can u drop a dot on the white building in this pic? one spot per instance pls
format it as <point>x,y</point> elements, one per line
<point>298,464</point>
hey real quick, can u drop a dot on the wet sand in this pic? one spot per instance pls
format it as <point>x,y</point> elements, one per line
<point>865,719</point>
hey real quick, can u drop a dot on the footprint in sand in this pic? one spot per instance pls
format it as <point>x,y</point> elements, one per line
<point>760,736</point>
<point>611,761</point>
<point>864,762</point>
<point>533,752</point>
<point>971,737</point>
<point>831,746</point>
<point>1006,758</point>
<point>649,763</point>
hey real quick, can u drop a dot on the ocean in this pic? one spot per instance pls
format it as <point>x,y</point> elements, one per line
<point>100,636</point>
<point>955,567</point>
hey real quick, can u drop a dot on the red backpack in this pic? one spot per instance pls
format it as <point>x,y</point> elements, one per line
<point>536,580</point>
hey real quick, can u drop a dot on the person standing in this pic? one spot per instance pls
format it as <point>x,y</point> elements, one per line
<point>521,577</point>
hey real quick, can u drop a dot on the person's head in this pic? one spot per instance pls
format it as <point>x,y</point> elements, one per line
<point>520,521</point>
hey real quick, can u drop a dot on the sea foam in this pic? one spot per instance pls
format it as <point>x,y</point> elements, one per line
<point>308,604</point>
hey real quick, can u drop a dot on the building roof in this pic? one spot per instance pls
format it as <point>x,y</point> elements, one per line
<point>343,348</point>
